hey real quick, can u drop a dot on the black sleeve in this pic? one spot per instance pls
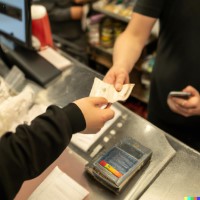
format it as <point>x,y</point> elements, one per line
<point>58,10</point>
<point>60,14</point>
<point>28,152</point>
<point>151,8</point>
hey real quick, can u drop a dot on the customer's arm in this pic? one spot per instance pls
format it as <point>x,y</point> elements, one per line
<point>28,152</point>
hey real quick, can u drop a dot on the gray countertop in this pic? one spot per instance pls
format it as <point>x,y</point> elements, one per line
<point>173,172</point>
<point>177,175</point>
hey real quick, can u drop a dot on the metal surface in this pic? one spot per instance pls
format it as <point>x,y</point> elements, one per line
<point>171,177</point>
<point>180,177</point>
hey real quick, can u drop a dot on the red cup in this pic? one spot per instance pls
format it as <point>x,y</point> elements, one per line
<point>41,26</point>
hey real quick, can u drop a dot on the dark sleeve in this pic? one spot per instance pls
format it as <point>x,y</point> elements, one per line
<point>59,14</point>
<point>28,152</point>
<point>58,10</point>
<point>151,8</point>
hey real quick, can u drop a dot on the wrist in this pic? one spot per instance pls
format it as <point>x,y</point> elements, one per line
<point>122,68</point>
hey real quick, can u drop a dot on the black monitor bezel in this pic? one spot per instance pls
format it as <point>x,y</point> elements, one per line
<point>28,29</point>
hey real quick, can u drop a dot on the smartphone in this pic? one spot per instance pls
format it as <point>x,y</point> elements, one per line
<point>180,94</point>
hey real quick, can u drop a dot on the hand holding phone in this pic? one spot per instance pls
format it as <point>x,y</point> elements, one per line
<point>180,94</point>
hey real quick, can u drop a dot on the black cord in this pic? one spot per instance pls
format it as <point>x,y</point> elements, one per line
<point>4,57</point>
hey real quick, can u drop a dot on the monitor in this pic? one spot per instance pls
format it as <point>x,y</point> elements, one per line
<point>15,21</point>
<point>16,29</point>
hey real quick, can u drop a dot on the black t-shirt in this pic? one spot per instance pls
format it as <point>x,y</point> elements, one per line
<point>178,58</point>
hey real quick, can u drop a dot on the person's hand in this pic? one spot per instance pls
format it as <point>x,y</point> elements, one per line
<point>95,117</point>
<point>186,107</point>
<point>76,12</point>
<point>117,77</point>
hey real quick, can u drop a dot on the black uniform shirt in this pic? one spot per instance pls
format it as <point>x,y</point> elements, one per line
<point>178,59</point>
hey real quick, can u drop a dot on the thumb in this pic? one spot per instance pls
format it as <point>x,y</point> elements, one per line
<point>99,100</point>
<point>118,86</point>
<point>108,114</point>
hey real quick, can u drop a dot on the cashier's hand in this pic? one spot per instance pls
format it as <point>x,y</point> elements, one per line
<point>117,77</point>
<point>187,108</point>
<point>95,117</point>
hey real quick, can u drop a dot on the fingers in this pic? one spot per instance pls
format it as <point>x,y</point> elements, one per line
<point>99,100</point>
<point>189,107</point>
<point>108,105</point>
<point>186,104</point>
<point>105,113</point>
<point>121,79</point>
<point>190,103</point>
<point>191,90</point>
<point>184,111</point>
<point>108,114</point>
<point>95,116</point>
<point>183,107</point>
<point>109,78</point>
<point>117,77</point>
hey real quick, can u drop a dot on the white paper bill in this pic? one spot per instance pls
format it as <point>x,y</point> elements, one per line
<point>108,91</point>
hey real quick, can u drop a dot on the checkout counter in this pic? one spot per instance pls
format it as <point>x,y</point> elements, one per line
<point>174,170</point>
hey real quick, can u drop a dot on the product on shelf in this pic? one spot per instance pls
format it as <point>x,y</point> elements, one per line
<point>118,28</point>
<point>106,33</point>
<point>119,7</point>
<point>109,31</point>
<point>94,29</point>
<point>148,63</point>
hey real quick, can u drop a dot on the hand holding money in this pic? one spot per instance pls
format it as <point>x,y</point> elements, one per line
<point>102,89</point>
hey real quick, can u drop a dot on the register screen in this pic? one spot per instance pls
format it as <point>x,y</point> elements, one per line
<point>12,19</point>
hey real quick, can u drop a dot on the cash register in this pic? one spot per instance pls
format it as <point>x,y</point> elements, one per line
<point>16,46</point>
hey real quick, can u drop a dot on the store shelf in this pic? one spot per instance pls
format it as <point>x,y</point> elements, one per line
<point>97,8</point>
<point>150,46</point>
<point>140,92</point>
<point>102,49</point>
